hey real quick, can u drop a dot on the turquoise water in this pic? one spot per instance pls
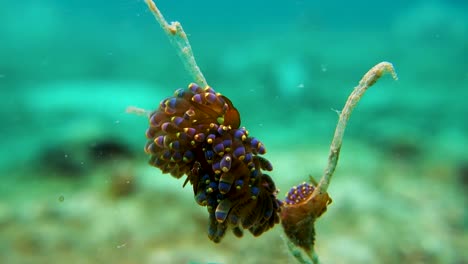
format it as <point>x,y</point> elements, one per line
<point>76,185</point>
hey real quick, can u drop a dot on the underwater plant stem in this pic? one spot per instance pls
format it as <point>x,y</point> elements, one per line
<point>313,256</point>
<point>179,40</point>
<point>367,81</point>
<point>297,253</point>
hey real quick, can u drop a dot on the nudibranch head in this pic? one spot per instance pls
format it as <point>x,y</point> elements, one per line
<point>197,133</point>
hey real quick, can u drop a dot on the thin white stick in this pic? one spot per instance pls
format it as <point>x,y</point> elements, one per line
<point>179,39</point>
<point>367,81</point>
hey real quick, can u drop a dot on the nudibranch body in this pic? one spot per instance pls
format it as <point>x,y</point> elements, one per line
<point>300,210</point>
<point>197,133</point>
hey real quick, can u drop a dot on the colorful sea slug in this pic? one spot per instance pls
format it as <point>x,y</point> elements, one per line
<point>197,133</point>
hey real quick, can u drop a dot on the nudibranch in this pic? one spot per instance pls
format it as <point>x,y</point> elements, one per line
<point>197,133</point>
<point>299,212</point>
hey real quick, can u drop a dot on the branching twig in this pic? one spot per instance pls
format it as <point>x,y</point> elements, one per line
<point>179,39</point>
<point>367,81</point>
<point>298,254</point>
<point>319,197</point>
<point>317,203</point>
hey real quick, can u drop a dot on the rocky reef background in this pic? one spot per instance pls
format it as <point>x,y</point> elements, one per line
<point>75,184</point>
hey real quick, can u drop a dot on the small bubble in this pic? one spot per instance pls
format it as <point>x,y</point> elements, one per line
<point>323,67</point>
<point>61,198</point>
<point>121,246</point>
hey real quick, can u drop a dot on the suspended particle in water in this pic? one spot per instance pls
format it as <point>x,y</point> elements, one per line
<point>61,198</point>
<point>323,68</point>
